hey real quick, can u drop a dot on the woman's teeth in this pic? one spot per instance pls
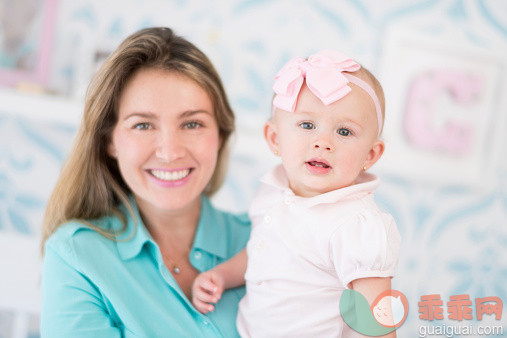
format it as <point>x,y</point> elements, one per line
<point>170,175</point>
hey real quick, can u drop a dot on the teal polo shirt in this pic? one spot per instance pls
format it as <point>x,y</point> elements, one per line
<point>97,287</point>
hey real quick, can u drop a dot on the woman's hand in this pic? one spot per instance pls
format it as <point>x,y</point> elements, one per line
<point>207,290</point>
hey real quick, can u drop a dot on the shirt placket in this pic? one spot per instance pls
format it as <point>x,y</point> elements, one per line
<point>206,326</point>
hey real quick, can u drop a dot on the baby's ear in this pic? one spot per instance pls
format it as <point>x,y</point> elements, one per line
<point>375,153</point>
<point>270,134</point>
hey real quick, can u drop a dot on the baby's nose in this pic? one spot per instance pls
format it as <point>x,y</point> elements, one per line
<point>323,144</point>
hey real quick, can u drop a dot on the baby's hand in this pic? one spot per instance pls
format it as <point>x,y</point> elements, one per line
<point>207,288</point>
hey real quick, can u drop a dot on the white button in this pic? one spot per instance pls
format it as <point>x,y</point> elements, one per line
<point>288,200</point>
<point>260,245</point>
<point>205,322</point>
<point>197,255</point>
<point>267,218</point>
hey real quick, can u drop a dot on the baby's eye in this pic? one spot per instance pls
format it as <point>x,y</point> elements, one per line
<point>344,132</point>
<point>142,126</point>
<point>307,125</point>
<point>192,125</point>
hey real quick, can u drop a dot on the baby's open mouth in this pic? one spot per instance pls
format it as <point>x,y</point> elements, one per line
<point>318,164</point>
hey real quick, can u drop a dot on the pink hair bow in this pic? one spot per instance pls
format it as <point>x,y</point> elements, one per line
<point>324,77</point>
<point>323,73</point>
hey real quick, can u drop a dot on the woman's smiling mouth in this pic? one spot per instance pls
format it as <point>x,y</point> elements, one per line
<point>170,176</point>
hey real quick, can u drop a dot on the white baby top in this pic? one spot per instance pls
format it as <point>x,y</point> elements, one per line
<point>303,252</point>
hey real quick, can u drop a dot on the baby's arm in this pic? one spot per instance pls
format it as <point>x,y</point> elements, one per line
<point>370,288</point>
<point>209,286</point>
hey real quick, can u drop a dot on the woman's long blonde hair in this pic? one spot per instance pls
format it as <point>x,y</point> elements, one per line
<point>90,184</point>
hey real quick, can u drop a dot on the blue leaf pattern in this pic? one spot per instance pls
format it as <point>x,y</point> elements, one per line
<point>491,19</point>
<point>457,11</point>
<point>29,201</point>
<point>19,221</point>
<point>41,141</point>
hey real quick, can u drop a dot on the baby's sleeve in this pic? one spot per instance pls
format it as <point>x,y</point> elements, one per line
<point>366,245</point>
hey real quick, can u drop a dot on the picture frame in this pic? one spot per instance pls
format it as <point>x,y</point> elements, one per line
<point>26,36</point>
<point>444,109</point>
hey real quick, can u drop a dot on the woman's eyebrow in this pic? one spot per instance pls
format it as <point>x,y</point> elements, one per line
<point>149,115</point>
<point>146,115</point>
<point>189,113</point>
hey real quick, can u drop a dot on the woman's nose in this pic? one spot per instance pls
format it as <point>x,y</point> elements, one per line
<point>170,148</point>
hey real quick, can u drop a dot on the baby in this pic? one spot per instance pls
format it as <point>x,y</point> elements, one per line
<point>316,229</point>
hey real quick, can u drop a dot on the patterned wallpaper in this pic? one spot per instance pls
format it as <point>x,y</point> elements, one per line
<point>453,226</point>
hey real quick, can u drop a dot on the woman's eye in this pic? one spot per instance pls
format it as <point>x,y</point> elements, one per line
<point>142,126</point>
<point>192,125</point>
<point>344,132</point>
<point>307,125</point>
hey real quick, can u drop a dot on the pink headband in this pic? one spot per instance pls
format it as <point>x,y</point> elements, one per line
<point>324,77</point>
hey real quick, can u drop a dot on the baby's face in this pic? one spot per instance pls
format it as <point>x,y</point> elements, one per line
<point>324,148</point>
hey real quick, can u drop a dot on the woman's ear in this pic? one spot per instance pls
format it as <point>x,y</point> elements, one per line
<point>111,150</point>
<point>270,134</point>
<point>375,153</point>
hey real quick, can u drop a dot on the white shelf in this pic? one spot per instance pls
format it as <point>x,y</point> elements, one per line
<point>40,106</point>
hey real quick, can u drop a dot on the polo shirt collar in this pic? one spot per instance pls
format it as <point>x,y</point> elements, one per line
<point>132,241</point>
<point>211,231</point>
<point>365,183</point>
<point>209,235</point>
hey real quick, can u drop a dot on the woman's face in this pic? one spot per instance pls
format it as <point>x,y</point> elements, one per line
<point>166,140</point>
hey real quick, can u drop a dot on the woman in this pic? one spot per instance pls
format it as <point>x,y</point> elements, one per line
<point>129,224</point>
